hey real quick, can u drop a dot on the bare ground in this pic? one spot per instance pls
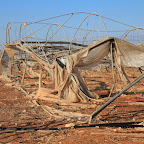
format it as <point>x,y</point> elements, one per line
<point>22,121</point>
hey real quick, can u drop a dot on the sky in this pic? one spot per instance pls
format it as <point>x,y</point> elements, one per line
<point>127,11</point>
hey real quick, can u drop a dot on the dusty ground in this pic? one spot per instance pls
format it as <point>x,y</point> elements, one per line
<point>22,121</point>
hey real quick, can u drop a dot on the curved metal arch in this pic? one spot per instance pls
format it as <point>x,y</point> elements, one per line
<point>32,33</point>
<point>79,13</point>
<point>57,31</point>
<point>36,30</point>
<point>20,30</point>
<point>62,25</point>
<point>61,16</point>
<point>89,14</point>
<point>36,40</point>
<point>7,31</point>
<point>127,32</point>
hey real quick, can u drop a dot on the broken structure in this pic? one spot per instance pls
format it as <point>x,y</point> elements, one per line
<point>67,50</point>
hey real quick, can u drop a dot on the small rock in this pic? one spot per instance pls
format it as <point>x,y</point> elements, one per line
<point>72,120</point>
<point>24,111</point>
<point>79,118</point>
<point>119,128</point>
<point>94,102</point>
<point>49,118</point>
<point>133,119</point>
<point>68,119</point>
<point>70,125</point>
<point>114,130</point>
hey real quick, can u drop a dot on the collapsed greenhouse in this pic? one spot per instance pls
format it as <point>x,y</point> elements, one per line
<point>49,59</point>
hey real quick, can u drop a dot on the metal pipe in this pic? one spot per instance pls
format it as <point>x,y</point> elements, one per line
<point>40,78</point>
<point>22,81</point>
<point>95,113</point>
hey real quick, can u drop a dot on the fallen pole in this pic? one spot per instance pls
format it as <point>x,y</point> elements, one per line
<point>95,113</point>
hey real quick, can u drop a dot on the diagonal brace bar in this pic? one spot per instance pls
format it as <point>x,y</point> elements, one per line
<point>95,113</point>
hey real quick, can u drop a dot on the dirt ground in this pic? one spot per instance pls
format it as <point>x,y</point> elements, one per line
<point>22,121</point>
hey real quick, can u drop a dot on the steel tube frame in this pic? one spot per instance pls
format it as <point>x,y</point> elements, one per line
<point>95,113</point>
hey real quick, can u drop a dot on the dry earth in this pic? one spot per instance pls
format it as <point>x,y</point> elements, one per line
<point>22,121</point>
